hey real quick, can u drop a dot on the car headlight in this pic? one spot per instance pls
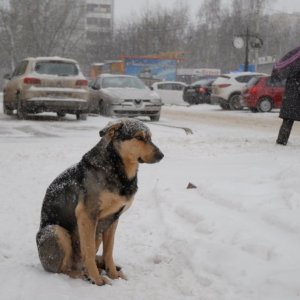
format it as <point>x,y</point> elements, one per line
<point>155,98</point>
<point>116,100</point>
<point>113,99</point>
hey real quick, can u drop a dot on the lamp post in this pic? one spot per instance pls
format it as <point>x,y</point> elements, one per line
<point>248,40</point>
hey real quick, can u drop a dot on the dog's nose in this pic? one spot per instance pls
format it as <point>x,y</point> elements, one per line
<point>159,155</point>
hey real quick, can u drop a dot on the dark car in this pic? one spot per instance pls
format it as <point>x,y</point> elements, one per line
<point>198,92</point>
<point>263,94</point>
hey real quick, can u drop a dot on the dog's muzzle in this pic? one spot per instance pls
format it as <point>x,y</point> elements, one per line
<point>158,155</point>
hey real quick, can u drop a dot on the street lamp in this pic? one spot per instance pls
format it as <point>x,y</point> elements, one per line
<point>248,40</point>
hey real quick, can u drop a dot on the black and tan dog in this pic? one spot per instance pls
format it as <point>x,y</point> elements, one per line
<point>82,206</point>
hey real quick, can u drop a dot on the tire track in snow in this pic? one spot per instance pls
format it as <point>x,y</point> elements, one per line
<point>181,251</point>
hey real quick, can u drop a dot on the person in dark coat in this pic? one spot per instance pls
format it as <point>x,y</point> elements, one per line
<point>290,109</point>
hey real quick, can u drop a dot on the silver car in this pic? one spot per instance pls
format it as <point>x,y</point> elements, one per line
<point>123,96</point>
<point>46,84</point>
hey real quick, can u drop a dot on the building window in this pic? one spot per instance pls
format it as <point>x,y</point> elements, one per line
<point>91,7</point>
<point>105,8</point>
<point>92,21</point>
<point>96,36</point>
<point>101,22</point>
<point>92,35</point>
<point>104,22</point>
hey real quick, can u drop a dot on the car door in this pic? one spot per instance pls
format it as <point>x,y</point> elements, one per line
<point>178,93</point>
<point>171,93</point>
<point>14,84</point>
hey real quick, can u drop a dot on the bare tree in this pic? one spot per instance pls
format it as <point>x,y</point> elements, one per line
<point>40,27</point>
<point>156,30</point>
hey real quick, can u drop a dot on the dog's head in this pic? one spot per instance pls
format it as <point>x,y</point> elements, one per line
<point>132,139</point>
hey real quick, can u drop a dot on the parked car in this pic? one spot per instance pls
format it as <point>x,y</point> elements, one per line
<point>263,94</point>
<point>199,91</point>
<point>171,92</point>
<point>227,88</point>
<point>46,84</point>
<point>123,95</point>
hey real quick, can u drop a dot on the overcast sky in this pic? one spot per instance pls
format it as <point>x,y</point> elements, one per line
<point>124,8</point>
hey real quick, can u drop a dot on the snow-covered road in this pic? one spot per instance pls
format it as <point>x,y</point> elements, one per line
<point>237,236</point>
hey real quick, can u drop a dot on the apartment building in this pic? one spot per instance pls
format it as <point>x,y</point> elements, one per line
<point>98,19</point>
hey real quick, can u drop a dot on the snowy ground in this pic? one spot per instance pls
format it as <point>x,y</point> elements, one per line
<point>235,237</point>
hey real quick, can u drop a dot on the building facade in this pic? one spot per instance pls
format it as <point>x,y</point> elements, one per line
<point>98,20</point>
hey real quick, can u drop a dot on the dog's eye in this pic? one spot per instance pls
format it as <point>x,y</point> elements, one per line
<point>140,138</point>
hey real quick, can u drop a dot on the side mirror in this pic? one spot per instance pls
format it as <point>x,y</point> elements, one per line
<point>7,76</point>
<point>151,88</point>
<point>96,87</point>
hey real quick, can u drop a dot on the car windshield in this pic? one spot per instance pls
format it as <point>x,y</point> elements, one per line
<point>123,82</point>
<point>60,68</point>
<point>203,82</point>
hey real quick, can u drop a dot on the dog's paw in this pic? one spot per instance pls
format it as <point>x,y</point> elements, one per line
<point>117,273</point>
<point>101,280</point>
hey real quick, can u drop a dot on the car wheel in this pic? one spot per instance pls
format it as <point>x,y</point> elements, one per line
<point>265,104</point>
<point>7,110</point>
<point>235,102</point>
<point>199,100</point>
<point>61,114</point>
<point>81,117</point>
<point>155,118</point>
<point>21,109</point>
<point>103,109</point>
<point>253,109</point>
<point>224,106</point>
<point>100,107</point>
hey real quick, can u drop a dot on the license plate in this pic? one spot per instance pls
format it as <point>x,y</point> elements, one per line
<point>56,95</point>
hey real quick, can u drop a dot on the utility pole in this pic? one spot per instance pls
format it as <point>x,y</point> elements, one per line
<point>247,40</point>
<point>246,64</point>
<point>257,14</point>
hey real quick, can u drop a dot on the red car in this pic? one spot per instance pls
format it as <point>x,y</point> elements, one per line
<point>262,94</point>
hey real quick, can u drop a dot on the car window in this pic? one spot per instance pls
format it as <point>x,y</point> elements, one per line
<point>275,83</point>
<point>206,82</point>
<point>21,68</point>
<point>244,78</point>
<point>177,87</point>
<point>122,82</point>
<point>60,68</point>
<point>164,86</point>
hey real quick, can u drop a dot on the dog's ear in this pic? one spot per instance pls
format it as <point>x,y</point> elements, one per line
<point>110,130</point>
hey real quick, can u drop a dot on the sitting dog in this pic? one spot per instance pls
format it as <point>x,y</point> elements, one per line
<point>82,206</point>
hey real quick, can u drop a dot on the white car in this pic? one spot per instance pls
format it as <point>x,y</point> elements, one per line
<point>171,92</point>
<point>227,88</point>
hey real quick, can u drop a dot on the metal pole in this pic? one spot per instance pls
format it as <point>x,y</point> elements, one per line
<point>246,65</point>
<point>257,13</point>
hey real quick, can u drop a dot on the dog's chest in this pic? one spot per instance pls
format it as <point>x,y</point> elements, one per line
<point>110,203</point>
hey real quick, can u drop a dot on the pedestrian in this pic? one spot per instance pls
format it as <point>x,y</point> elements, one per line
<point>288,68</point>
<point>290,109</point>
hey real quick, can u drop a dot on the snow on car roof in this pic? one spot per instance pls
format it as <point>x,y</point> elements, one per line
<point>242,73</point>
<point>54,58</point>
<point>114,75</point>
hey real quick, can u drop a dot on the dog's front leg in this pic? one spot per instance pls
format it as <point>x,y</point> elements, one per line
<point>108,245</point>
<point>87,234</point>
